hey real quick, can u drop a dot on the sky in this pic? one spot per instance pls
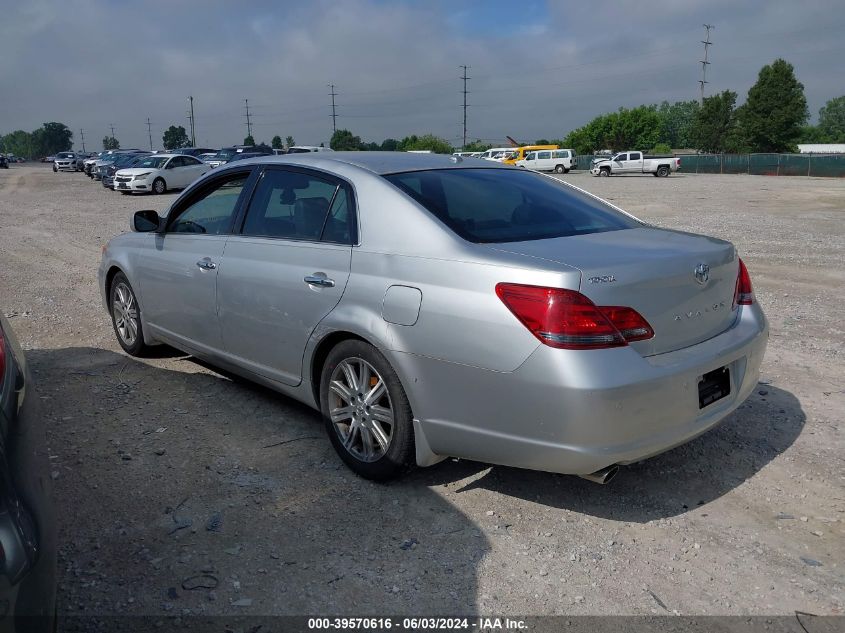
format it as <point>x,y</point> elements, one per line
<point>537,68</point>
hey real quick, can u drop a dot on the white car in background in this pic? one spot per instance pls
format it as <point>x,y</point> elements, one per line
<point>160,172</point>
<point>557,160</point>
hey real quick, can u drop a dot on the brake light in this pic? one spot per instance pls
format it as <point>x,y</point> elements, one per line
<point>744,293</point>
<point>630,323</point>
<point>566,319</point>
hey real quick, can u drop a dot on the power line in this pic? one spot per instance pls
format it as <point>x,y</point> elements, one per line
<point>704,63</point>
<point>248,123</point>
<point>333,94</point>
<point>464,91</point>
<point>193,124</point>
<point>150,132</point>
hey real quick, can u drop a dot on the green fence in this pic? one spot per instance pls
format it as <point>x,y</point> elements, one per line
<point>827,165</point>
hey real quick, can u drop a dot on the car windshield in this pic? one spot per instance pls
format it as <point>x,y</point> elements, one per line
<point>155,162</point>
<point>497,205</point>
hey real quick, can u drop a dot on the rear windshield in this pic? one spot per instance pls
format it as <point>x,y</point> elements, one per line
<point>508,205</point>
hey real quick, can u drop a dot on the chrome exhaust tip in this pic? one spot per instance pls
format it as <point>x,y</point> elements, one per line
<point>602,476</point>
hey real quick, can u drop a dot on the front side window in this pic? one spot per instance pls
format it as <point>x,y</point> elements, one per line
<point>621,157</point>
<point>212,212</point>
<point>531,156</point>
<point>494,205</point>
<point>298,206</point>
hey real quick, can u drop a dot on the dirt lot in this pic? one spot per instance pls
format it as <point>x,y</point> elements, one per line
<point>166,470</point>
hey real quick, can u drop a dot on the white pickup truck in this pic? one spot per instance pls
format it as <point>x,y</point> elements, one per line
<point>634,163</point>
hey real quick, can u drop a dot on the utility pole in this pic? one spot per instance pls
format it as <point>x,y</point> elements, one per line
<point>150,132</point>
<point>464,77</point>
<point>111,125</point>
<point>704,63</point>
<point>191,120</point>
<point>333,94</point>
<point>248,124</point>
<point>82,134</point>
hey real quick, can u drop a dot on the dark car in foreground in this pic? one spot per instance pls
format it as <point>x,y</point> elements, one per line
<point>4,164</point>
<point>27,524</point>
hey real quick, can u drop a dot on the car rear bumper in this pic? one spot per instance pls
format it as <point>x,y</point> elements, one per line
<point>579,411</point>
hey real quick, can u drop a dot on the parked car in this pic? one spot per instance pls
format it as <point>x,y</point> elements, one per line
<point>497,153</point>
<point>557,160</point>
<point>634,163</point>
<point>66,161</point>
<point>430,307</point>
<point>225,154</point>
<point>4,163</point>
<point>123,161</point>
<point>192,151</point>
<point>48,159</point>
<point>160,172</point>
<point>304,149</point>
<point>27,520</point>
<point>101,164</point>
<point>245,156</point>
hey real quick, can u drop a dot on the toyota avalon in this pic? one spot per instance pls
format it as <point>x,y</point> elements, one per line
<point>433,306</point>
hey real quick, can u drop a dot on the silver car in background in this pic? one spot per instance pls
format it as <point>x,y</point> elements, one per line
<point>433,306</point>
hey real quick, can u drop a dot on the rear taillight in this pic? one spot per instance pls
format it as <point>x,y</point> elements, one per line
<point>567,319</point>
<point>744,294</point>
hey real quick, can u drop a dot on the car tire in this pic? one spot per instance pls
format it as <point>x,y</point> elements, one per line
<point>126,316</point>
<point>662,171</point>
<point>360,391</point>
<point>604,172</point>
<point>55,169</point>
<point>159,186</point>
<point>559,169</point>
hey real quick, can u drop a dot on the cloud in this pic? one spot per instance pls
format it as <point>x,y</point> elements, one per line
<point>537,70</point>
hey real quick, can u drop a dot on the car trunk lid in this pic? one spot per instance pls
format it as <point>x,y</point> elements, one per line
<point>683,284</point>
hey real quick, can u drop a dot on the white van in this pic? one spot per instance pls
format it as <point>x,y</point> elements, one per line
<point>557,160</point>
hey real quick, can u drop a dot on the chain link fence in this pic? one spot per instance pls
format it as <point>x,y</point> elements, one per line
<point>822,165</point>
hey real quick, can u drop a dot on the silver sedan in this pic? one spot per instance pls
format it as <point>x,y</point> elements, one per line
<point>433,306</point>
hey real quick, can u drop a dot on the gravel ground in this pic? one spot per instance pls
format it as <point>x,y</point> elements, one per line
<point>184,491</point>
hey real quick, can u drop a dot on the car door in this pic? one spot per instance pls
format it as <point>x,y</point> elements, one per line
<point>634,164</point>
<point>544,161</point>
<point>175,173</point>
<point>618,164</point>
<point>194,168</point>
<point>178,274</point>
<point>286,270</point>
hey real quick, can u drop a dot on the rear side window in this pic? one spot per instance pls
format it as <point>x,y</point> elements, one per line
<point>635,156</point>
<point>543,155</point>
<point>499,205</point>
<point>298,206</point>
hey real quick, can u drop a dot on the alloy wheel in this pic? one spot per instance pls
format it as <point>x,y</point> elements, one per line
<point>360,409</point>
<point>125,313</point>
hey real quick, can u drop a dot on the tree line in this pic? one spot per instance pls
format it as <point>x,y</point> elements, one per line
<point>772,119</point>
<point>48,139</point>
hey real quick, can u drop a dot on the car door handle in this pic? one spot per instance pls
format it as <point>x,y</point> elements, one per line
<point>206,264</point>
<point>318,280</point>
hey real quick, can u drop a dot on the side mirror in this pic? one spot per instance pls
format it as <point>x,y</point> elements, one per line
<point>146,221</point>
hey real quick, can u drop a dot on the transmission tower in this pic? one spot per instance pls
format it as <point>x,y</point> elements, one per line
<point>704,63</point>
<point>464,91</point>
<point>248,123</point>
<point>193,132</point>
<point>150,132</point>
<point>333,94</point>
<point>82,134</point>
